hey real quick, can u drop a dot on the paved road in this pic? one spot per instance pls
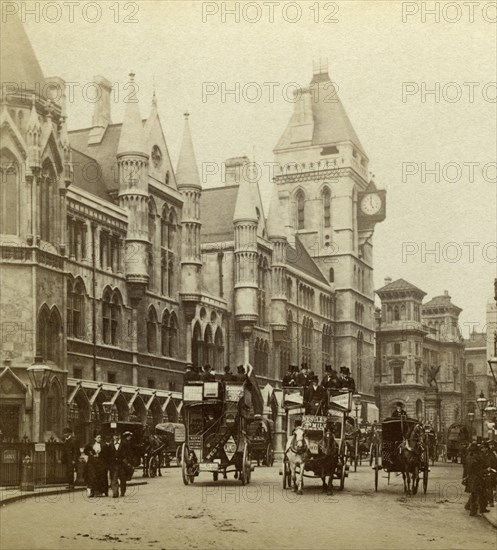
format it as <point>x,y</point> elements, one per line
<point>166,514</point>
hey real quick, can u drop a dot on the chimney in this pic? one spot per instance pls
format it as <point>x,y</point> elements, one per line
<point>101,114</point>
<point>446,293</point>
<point>388,280</point>
<point>234,170</point>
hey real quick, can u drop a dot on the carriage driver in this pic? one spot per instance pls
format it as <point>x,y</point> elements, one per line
<point>315,397</point>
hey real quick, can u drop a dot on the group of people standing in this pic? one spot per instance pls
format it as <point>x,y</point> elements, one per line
<point>315,392</point>
<point>108,464</point>
<point>480,476</point>
<point>208,374</point>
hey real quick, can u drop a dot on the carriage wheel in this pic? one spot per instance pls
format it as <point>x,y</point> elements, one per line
<point>269,455</point>
<point>178,455</point>
<point>376,468</point>
<point>246,465</point>
<point>184,468</point>
<point>153,466</point>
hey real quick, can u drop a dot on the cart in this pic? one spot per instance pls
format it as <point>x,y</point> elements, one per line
<point>216,417</point>
<point>385,449</point>
<point>338,406</point>
<point>260,433</point>
<point>174,434</point>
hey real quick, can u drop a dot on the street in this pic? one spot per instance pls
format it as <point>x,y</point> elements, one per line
<point>166,514</point>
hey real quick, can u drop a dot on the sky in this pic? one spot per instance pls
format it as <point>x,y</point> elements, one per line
<point>418,87</point>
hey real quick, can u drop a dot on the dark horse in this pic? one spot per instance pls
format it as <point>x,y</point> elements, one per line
<point>410,460</point>
<point>151,451</point>
<point>328,459</point>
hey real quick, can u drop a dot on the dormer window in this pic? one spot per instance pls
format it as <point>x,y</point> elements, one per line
<point>156,156</point>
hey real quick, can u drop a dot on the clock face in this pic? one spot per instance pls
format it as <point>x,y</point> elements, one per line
<point>371,204</point>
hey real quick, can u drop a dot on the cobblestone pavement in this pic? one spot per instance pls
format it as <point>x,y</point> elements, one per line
<point>166,514</point>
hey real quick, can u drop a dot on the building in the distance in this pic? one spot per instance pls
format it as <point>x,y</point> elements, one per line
<point>116,269</point>
<point>420,355</point>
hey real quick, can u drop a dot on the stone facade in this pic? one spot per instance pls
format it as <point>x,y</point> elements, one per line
<point>420,355</point>
<point>128,269</point>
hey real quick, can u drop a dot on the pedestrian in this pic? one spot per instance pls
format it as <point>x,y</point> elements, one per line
<point>489,465</point>
<point>190,374</point>
<point>97,467</point>
<point>119,463</point>
<point>71,455</point>
<point>473,480</point>
<point>228,376</point>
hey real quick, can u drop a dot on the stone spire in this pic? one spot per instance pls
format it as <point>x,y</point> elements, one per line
<point>186,171</point>
<point>245,204</point>
<point>276,219</point>
<point>132,138</point>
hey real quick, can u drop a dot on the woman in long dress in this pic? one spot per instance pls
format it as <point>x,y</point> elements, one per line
<point>97,467</point>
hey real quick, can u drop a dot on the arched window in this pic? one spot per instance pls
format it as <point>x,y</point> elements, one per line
<point>75,308</point>
<point>332,275</point>
<point>396,314</point>
<point>46,191</point>
<point>208,346</point>
<point>164,224</point>
<point>360,346</point>
<point>49,334</point>
<point>42,332</point>
<point>173,335</point>
<point>289,288</point>
<point>219,343</point>
<point>171,242</point>
<point>111,310</point>
<point>170,277</point>
<point>471,390</point>
<point>470,369</point>
<point>165,333</point>
<point>197,346</point>
<point>152,331</point>
<point>163,274</point>
<point>326,197</point>
<point>9,195</point>
<point>300,210</point>
<point>419,409</point>
<point>262,275</point>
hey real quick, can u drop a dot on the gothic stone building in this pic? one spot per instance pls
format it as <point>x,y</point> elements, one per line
<point>420,355</point>
<point>117,269</point>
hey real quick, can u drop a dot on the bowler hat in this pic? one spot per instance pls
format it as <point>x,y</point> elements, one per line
<point>327,368</point>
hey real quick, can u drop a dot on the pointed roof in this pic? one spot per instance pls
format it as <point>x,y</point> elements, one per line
<point>331,124</point>
<point>244,207</point>
<point>132,138</point>
<point>442,301</point>
<point>276,223</point>
<point>400,285</point>
<point>33,121</point>
<point>18,61</point>
<point>186,171</point>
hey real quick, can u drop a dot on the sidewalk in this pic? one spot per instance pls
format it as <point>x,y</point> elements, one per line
<point>491,516</point>
<point>8,495</point>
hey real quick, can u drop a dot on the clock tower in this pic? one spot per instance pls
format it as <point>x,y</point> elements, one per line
<point>325,187</point>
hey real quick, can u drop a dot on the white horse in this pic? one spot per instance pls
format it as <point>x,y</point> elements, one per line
<point>297,453</point>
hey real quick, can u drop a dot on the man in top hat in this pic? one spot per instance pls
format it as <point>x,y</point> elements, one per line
<point>71,455</point>
<point>190,374</point>
<point>207,374</point>
<point>302,378</point>
<point>399,411</point>
<point>346,381</point>
<point>120,462</point>
<point>289,378</point>
<point>473,479</point>
<point>315,397</point>
<point>329,381</point>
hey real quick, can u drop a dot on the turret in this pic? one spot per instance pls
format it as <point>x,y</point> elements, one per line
<point>132,160</point>
<point>188,181</point>
<point>245,225</point>
<point>276,228</point>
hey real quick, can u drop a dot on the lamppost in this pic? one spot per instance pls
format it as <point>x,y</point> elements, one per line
<point>357,403</point>
<point>482,403</point>
<point>471,417</point>
<point>38,374</point>
<point>107,407</point>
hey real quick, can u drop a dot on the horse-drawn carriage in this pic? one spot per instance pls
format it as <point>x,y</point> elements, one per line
<point>163,447</point>
<point>260,433</point>
<point>315,443</point>
<point>216,417</point>
<point>457,442</point>
<point>398,451</point>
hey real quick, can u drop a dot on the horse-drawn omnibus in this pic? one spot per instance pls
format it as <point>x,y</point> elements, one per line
<point>216,416</point>
<point>396,451</point>
<point>315,443</point>
<point>260,433</point>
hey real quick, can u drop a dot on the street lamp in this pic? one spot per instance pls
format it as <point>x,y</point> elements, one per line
<point>38,374</point>
<point>357,403</point>
<point>471,417</point>
<point>482,403</point>
<point>107,407</point>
